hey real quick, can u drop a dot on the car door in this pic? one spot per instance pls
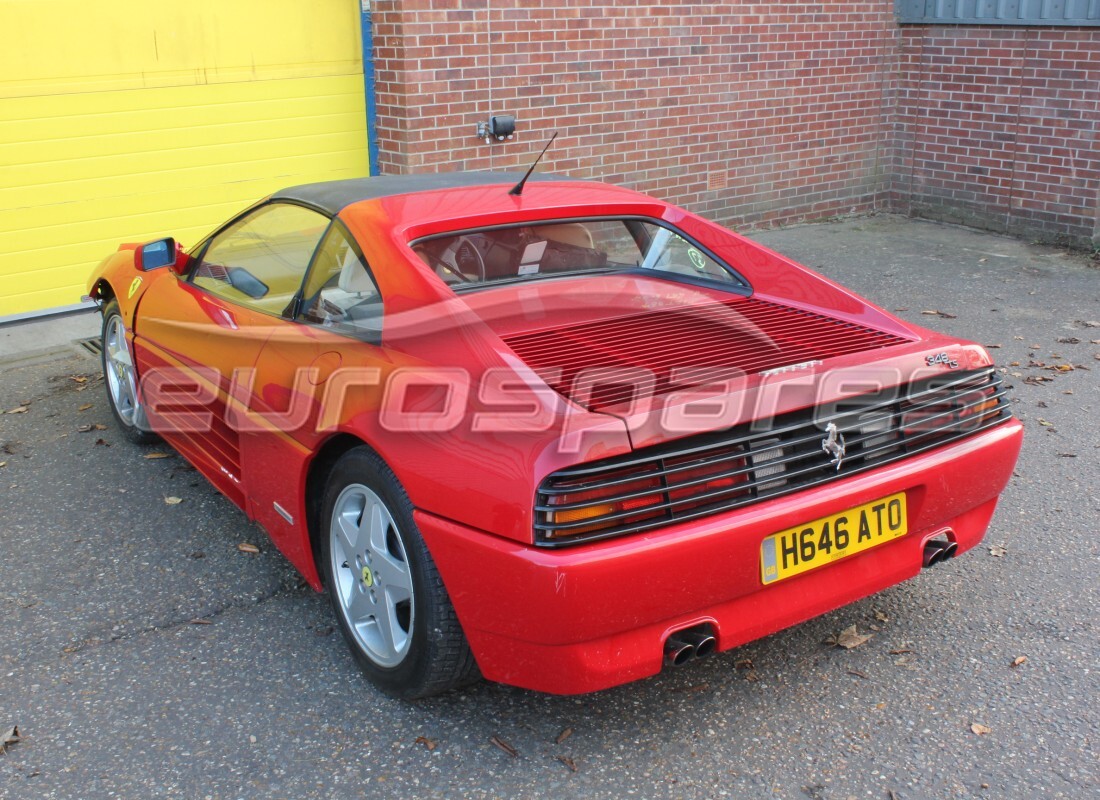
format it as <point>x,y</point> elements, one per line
<point>335,338</point>
<point>194,334</point>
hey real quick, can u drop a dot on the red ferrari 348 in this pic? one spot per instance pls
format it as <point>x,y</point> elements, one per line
<point>557,437</point>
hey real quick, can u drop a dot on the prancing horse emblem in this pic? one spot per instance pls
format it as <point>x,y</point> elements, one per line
<point>833,444</point>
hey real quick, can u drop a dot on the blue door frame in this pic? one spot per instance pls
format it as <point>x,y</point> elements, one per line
<point>368,84</point>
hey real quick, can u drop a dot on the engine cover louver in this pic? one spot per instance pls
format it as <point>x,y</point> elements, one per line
<point>596,364</point>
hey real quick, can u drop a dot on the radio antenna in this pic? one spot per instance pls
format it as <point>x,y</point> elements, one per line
<point>517,190</point>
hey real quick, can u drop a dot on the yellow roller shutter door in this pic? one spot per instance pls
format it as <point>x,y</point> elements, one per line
<point>127,120</point>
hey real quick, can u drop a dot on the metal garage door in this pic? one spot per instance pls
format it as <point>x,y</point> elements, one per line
<point>126,120</point>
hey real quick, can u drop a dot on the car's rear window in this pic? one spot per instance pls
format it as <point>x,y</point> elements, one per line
<point>569,247</point>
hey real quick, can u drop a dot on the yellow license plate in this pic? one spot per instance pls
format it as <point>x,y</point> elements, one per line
<point>823,541</point>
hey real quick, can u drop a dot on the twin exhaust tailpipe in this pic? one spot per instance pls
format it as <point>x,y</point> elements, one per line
<point>682,646</point>
<point>698,642</point>
<point>937,550</point>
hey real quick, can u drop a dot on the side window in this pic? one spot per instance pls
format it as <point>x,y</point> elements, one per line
<point>340,291</point>
<point>260,260</point>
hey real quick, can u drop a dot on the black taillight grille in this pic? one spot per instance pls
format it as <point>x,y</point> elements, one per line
<point>713,472</point>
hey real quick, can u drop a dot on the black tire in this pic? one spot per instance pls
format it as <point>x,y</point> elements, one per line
<point>121,382</point>
<point>435,655</point>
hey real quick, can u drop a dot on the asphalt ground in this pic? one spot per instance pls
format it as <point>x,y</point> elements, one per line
<point>143,655</point>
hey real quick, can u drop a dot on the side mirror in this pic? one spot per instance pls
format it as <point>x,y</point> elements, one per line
<point>154,255</point>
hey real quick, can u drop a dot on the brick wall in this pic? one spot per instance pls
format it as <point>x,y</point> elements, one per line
<point>748,113</point>
<point>754,113</point>
<point>999,128</point>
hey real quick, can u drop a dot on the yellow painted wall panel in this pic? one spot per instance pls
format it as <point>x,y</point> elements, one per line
<point>66,46</point>
<point>187,135</point>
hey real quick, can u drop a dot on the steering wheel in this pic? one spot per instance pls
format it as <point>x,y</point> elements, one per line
<point>460,259</point>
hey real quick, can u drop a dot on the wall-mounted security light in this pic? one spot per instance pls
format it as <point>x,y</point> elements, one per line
<point>499,127</point>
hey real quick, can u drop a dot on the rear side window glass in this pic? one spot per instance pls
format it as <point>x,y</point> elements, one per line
<point>340,291</point>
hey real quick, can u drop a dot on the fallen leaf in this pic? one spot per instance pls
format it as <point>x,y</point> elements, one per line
<point>565,734</point>
<point>997,551</point>
<point>173,501</point>
<point>18,410</point>
<point>980,729</point>
<point>858,674</point>
<point>934,313</point>
<point>9,737</point>
<point>3,463</point>
<point>79,378</point>
<point>744,663</point>
<point>83,428</point>
<point>900,652</point>
<point>1018,660</point>
<point>568,762</point>
<point>1045,424</point>
<point>1089,323</point>
<point>1018,338</point>
<point>102,442</point>
<point>906,308</point>
<point>198,621</point>
<point>1067,455</point>
<point>99,426</point>
<point>993,347</point>
<point>155,455</point>
<point>1068,340</point>
<point>431,744</point>
<point>246,547</point>
<point>503,745</point>
<point>85,407</point>
<point>881,617</point>
<point>848,638</point>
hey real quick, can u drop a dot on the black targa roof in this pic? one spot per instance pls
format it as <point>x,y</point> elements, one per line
<point>333,196</point>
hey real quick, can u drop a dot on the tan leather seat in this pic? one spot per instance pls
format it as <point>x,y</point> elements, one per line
<point>574,233</point>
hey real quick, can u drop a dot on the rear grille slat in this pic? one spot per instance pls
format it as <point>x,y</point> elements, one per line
<point>714,472</point>
<point>740,335</point>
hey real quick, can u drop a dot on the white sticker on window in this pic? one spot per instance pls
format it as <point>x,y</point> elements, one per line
<point>532,255</point>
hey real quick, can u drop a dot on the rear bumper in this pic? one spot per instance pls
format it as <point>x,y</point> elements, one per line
<point>586,618</point>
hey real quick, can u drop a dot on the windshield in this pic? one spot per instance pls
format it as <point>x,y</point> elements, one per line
<point>545,250</point>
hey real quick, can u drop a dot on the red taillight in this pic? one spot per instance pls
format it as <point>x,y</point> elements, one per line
<point>712,476</point>
<point>961,413</point>
<point>599,504</point>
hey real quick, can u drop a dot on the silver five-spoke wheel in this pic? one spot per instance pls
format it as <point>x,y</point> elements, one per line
<point>374,582</point>
<point>121,378</point>
<point>118,370</point>
<point>389,598</point>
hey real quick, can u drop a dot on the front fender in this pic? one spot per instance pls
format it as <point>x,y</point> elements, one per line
<point>117,276</point>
